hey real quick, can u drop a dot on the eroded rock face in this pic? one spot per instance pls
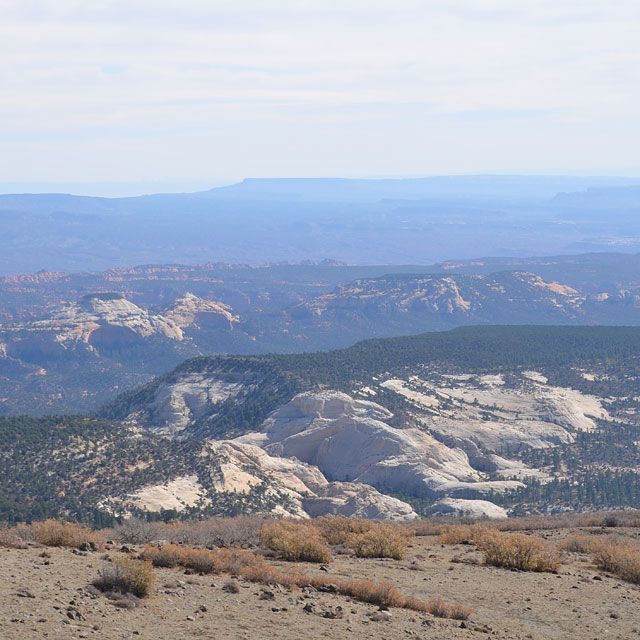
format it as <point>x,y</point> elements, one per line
<point>468,425</point>
<point>518,295</point>
<point>192,310</point>
<point>478,414</point>
<point>177,494</point>
<point>468,508</point>
<point>239,468</point>
<point>348,441</point>
<point>77,322</point>
<point>177,404</point>
<point>351,499</point>
<point>111,320</point>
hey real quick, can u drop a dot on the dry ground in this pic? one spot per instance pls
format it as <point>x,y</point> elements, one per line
<point>44,597</point>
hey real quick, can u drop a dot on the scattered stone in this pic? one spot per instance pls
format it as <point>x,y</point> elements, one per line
<point>379,616</point>
<point>231,587</point>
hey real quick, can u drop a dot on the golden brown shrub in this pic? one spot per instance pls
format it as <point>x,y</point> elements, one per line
<point>620,558</point>
<point>125,575</point>
<point>437,607</point>
<point>167,555</point>
<point>576,544</point>
<point>255,568</point>
<point>457,611</point>
<point>233,561</point>
<point>380,593</point>
<point>296,542</point>
<point>517,551</point>
<point>382,541</point>
<point>461,533</point>
<point>58,533</point>
<point>10,540</point>
<point>340,530</point>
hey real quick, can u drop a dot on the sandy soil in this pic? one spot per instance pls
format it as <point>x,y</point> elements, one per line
<point>44,597</point>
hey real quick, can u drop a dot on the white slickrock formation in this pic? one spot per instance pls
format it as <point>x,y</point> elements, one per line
<point>79,321</point>
<point>238,468</point>
<point>469,508</point>
<point>176,404</point>
<point>348,440</point>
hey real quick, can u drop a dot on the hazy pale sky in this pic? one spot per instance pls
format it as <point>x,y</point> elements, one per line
<point>201,89</point>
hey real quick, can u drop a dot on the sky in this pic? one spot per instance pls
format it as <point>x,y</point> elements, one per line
<point>203,91</point>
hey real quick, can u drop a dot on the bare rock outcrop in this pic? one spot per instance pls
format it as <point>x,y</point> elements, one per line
<point>190,310</point>
<point>348,440</point>
<point>109,319</point>
<point>233,467</point>
<point>78,322</point>
<point>468,508</point>
<point>177,404</point>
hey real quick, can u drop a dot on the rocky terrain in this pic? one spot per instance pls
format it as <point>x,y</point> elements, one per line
<point>61,352</point>
<point>46,592</point>
<point>428,427</point>
<point>486,421</point>
<point>448,452</point>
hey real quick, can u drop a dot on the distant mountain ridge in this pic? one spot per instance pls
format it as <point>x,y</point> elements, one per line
<point>392,221</point>
<point>83,351</point>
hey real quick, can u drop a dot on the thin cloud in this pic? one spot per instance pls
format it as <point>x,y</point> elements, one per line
<point>103,69</point>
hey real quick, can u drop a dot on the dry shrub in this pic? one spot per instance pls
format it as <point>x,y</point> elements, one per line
<point>385,594</point>
<point>233,561</point>
<point>296,542</point>
<point>461,533</point>
<point>231,587</point>
<point>123,600</point>
<point>340,530</point>
<point>168,555</point>
<point>517,551</point>
<point>262,573</point>
<point>457,611</point>
<point>228,532</point>
<point>620,558</point>
<point>201,560</point>
<point>58,533</point>
<point>125,575</point>
<point>380,593</point>
<point>576,544</point>
<point>628,518</point>
<point>26,532</point>
<point>10,540</point>
<point>437,607</point>
<point>214,532</point>
<point>256,569</point>
<point>137,531</point>
<point>382,541</point>
<point>292,578</point>
<point>428,526</point>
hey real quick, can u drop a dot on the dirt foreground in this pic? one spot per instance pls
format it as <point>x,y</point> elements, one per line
<point>50,597</point>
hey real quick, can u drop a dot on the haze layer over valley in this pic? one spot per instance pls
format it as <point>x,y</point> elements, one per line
<point>402,221</point>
